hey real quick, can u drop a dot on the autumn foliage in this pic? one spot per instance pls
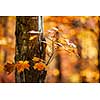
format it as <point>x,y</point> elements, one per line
<point>71,49</point>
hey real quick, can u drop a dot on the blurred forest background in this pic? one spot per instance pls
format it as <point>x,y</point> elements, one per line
<point>83,31</point>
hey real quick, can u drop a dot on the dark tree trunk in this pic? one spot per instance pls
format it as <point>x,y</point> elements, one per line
<point>26,49</point>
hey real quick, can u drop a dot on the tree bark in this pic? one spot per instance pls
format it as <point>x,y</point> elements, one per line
<point>26,49</point>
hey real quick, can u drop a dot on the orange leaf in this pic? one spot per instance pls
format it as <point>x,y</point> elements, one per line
<point>21,65</point>
<point>39,66</point>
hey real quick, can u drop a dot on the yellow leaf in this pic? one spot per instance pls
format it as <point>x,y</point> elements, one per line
<point>32,37</point>
<point>36,59</point>
<point>55,72</point>
<point>1,69</point>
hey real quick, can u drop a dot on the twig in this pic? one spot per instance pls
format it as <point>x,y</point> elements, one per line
<point>51,54</point>
<point>52,58</point>
<point>49,59</point>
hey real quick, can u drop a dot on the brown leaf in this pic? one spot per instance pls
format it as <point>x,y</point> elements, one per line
<point>9,67</point>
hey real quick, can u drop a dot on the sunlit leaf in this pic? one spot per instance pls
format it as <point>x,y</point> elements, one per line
<point>55,72</point>
<point>21,65</point>
<point>40,66</point>
<point>32,37</point>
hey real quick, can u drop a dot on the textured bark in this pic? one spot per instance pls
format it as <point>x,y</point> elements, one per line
<point>26,49</point>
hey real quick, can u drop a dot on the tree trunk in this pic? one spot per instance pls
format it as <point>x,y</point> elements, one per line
<point>26,49</point>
